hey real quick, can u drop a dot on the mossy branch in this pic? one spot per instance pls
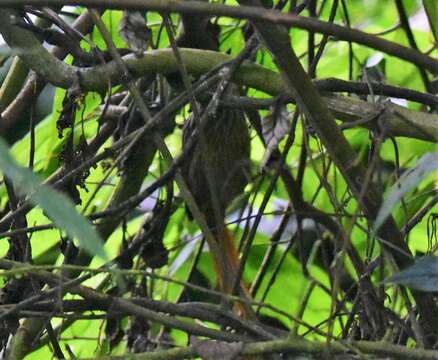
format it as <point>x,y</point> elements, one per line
<point>198,62</point>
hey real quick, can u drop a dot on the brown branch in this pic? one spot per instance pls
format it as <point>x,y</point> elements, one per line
<point>297,345</point>
<point>299,86</point>
<point>35,84</point>
<point>197,62</point>
<point>126,306</point>
<point>251,13</point>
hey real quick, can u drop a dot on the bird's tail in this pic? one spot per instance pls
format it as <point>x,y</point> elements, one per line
<point>227,269</point>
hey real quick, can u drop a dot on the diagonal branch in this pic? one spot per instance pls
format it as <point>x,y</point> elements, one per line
<point>198,62</point>
<point>299,85</point>
<point>254,14</point>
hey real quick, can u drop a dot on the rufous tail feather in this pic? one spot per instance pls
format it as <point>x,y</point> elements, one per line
<point>228,247</point>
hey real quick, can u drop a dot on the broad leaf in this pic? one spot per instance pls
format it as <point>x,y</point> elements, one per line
<point>410,179</point>
<point>56,205</point>
<point>423,275</point>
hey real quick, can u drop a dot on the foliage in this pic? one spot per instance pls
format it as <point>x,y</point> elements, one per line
<point>330,211</point>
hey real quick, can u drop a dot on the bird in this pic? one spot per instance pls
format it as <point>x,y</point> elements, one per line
<point>217,172</point>
<point>219,166</point>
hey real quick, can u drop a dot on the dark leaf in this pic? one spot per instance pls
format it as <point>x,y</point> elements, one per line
<point>114,332</point>
<point>137,335</point>
<point>134,30</point>
<point>423,275</point>
<point>373,71</point>
<point>275,126</point>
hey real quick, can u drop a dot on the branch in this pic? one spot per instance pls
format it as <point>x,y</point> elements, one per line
<point>299,86</point>
<point>34,84</point>
<point>251,13</point>
<point>127,306</point>
<point>198,62</point>
<point>334,350</point>
<point>292,344</point>
<point>24,44</point>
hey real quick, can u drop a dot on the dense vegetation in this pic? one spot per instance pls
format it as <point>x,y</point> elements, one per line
<point>218,179</point>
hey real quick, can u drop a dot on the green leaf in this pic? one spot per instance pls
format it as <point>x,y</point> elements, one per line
<point>56,205</point>
<point>431,8</point>
<point>410,179</point>
<point>423,275</point>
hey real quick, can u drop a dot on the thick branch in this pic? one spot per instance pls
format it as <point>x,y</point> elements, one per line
<point>198,62</point>
<point>251,13</point>
<point>128,307</point>
<point>334,350</point>
<point>299,86</point>
<point>24,44</point>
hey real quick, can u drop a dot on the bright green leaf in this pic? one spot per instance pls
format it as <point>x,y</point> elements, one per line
<point>56,205</point>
